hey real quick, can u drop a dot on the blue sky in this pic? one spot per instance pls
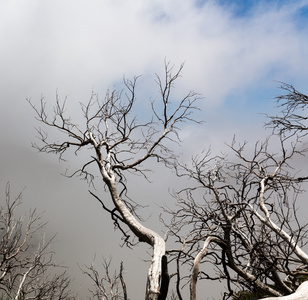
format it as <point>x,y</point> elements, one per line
<point>242,8</point>
<point>234,54</point>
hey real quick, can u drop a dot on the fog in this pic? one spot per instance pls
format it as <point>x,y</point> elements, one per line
<point>234,53</point>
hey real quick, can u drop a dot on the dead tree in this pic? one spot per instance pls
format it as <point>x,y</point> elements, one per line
<point>110,286</point>
<point>291,118</point>
<point>120,144</point>
<point>26,265</point>
<point>246,206</point>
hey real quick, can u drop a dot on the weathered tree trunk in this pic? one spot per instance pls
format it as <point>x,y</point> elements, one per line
<point>144,234</point>
<point>165,279</point>
<point>195,271</point>
<point>300,294</point>
<point>154,275</point>
<point>248,277</point>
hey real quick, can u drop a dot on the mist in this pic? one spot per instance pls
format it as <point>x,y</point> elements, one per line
<point>234,56</point>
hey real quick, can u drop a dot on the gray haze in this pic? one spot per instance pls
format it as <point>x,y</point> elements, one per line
<point>73,47</point>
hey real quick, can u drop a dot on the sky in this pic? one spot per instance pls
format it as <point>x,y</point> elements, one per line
<point>235,53</point>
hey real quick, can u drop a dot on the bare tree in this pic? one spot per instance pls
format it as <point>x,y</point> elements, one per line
<point>26,261</point>
<point>119,143</point>
<point>109,286</point>
<point>240,213</point>
<point>292,116</point>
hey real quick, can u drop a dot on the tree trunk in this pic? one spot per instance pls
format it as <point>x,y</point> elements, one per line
<point>165,279</point>
<point>300,294</point>
<point>195,270</point>
<point>144,234</point>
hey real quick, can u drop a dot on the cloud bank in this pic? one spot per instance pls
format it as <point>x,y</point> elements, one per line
<point>74,45</point>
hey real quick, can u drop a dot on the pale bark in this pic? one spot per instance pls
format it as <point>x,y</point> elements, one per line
<point>300,294</point>
<point>279,231</point>
<point>195,270</point>
<point>144,234</point>
<point>123,282</point>
<point>123,144</point>
<point>23,281</point>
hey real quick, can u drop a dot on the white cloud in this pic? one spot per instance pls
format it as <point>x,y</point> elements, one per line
<point>78,44</point>
<point>75,46</point>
